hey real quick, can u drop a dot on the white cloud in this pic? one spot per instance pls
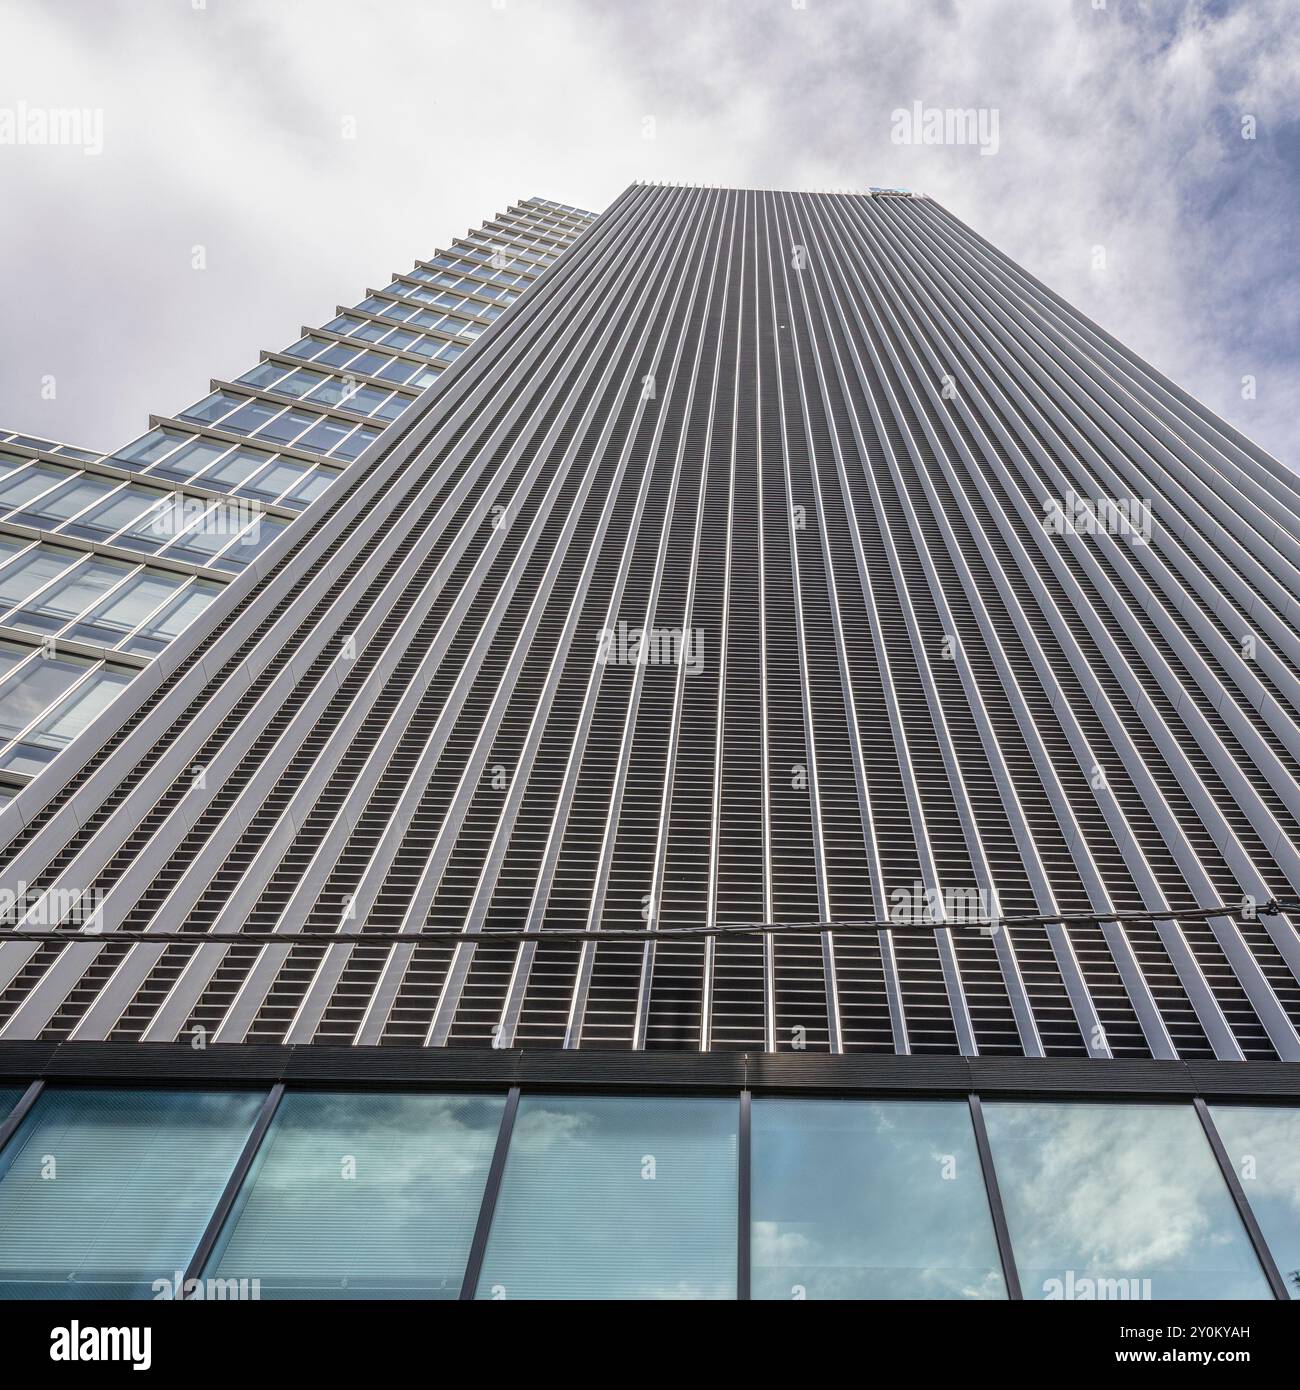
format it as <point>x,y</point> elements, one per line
<point>1119,127</point>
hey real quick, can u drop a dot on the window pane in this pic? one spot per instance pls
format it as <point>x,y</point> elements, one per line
<point>300,382</point>
<point>251,416</point>
<point>331,391</point>
<point>240,465</point>
<point>213,407</point>
<point>351,447</point>
<point>200,537</point>
<point>366,399</point>
<point>367,363</point>
<point>11,653</point>
<point>71,595</point>
<point>251,543</point>
<point>392,407</point>
<point>22,487</point>
<point>160,524</point>
<point>1263,1142</point>
<point>398,369</point>
<point>9,463</point>
<point>56,729</point>
<point>1118,1201</point>
<point>261,374</point>
<point>287,426</point>
<point>67,719</point>
<point>8,1099</point>
<point>28,692</point>
<point>173,619</point>
<point>617,1197</point>
<point>33,570</point>
<point>306,347</point>
<point>137,1176</point>
<point>191,458</point>
<point>363,1196</point>
<point>276,480</point>
<point>177,616</point>
<point>66,501</point>
<point>864,1199</point>
<point>338,354</point>
<point>151,446</point>
<point>310,488</point>
<point>129,606</point>
<point>325,435</point>
<point>115,512</point>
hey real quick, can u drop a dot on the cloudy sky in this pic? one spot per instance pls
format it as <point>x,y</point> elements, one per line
<point>310,147</point>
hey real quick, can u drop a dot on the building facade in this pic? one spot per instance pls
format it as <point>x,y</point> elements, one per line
<point>797,701</point>
<point>203,493</point>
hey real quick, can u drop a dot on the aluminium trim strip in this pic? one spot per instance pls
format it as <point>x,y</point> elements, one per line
<point>1086,1016</point>
<point>641,1018</point>
<point>1176,586</point>
<point>391,981</point>
<point>1179,403</point>
<point>587,959</point>
<point>314,1003</point>
<point>719,741</point>
<point>963,1026</point>
<point>258,983</point>
<point>171,1016</point>
<point>517,989</point>
<point>1004,947</point>
<point>1203,1000</point>
<point>1258,988</point>
<point>316,637</point>
<point>835,1036</point>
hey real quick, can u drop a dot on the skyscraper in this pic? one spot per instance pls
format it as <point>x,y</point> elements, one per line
<point>793,653</point>
<point>82,613</point>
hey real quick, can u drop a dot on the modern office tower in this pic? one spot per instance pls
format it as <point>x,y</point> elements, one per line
<point>797,702</point>
<point>203,493</point>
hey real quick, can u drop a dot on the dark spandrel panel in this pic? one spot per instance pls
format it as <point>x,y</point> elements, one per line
<point>8,1099</point>
<point>1263,1144</point>
<point>867,1199</point>
<point>362,1196</point>
<point>105,1194</point>
<point>1118,1202</point>
<point>614,1197</point>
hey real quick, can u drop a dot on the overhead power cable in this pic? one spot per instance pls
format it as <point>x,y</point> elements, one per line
<point>89,934</point>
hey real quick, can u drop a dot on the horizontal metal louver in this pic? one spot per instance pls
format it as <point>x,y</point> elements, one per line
<point>711,588</point>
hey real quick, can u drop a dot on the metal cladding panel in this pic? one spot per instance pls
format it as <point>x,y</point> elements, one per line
<point>782,558</point>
